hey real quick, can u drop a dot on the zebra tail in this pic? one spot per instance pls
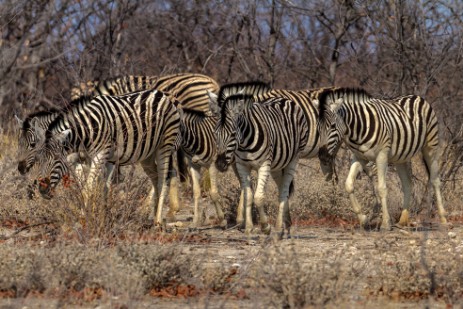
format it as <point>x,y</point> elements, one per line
<point>182,166</point>
<point>291,188</point>
<point>428,170</point>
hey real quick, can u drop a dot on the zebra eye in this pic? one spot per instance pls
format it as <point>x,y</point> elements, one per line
<point>33,144</point>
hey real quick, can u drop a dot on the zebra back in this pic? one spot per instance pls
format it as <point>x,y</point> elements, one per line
<point>405,123</point>
<point>134,123</point>
<point>190,89</point>
<point>246,89</point>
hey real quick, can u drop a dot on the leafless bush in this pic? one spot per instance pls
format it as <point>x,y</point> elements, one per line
<point>158,268</point>
<point>294,282</point>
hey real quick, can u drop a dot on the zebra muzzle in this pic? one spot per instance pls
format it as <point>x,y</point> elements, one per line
<point>222,162</point>
<point>22,167</point>
<point>45,188</point>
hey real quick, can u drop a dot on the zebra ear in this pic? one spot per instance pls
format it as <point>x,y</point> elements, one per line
<point>336,105</point>
<point>181,113</point>
<point>38,130</point>
<point>238,107</point>
<point>20,122</point>
<point>316,103</point>
<point>213,104</point>
<point>61,137</point>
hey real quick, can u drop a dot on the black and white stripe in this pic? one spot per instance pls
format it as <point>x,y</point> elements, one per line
<point>140,127</point>
<point>383,131</point>
<point>267,136</point>
<point>308,102</point>
<point>188,88</point>
<point>198,143</point>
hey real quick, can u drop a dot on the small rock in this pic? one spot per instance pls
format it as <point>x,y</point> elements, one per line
<point>452,234</point>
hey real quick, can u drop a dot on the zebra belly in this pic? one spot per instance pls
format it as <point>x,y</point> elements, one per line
<point>249,160</point>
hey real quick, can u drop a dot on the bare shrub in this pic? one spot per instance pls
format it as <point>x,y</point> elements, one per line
<point>158,268</point>
<point>429,267</point>
<point>295,281</point>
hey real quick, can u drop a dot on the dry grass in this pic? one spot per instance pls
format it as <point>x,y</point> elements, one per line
<point>106,254</point>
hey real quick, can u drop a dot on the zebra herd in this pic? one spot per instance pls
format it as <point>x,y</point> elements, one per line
<point>157,121</point>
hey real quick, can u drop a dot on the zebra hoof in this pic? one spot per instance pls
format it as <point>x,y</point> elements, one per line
<point>170,217</point>
<point>223,224</point>
<point>385,227</point>
<point>240,225</point>
<point>266,228</point>
<point>363,221</point>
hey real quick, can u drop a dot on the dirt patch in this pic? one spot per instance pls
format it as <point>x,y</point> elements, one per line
<point>323,265</point>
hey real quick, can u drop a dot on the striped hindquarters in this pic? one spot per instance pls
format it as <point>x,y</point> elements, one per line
<point>287,130</point>
<point>197,136</point>
<point>303,99</point>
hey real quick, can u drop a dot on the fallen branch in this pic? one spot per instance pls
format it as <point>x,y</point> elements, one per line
<point>21,229</point>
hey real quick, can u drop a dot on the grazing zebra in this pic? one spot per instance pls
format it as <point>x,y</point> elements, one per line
<point>188,88</point>
<point>382,131</point>
<point>266,136</point>
<point>140,127</point>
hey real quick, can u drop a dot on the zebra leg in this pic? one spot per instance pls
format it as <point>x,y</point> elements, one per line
<point>381,165</point>
<point>150,168</point>
<point>174,197</point>
<point>405,174</point>
<point>246,194</point>
<point>93,178</point>
<point>163,157</point>
<point>278,178</point>
<point>199,214</point>
<point>239,212</point>
<point>355,169</point>
<point>215,197</point>
<point>432,163</point>
<point>259,197</point>
<point>288,177</point>
<point>109,173</point>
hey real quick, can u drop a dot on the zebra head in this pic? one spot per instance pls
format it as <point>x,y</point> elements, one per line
<point>331,128</point>
<point>227,130</point>
<point>31,137</point>
<point>53,166</point>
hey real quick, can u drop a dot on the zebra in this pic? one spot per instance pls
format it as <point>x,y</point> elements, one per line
<point>307,100</point>
<point>140,127</point>
<point>198,143</point>
<point>382,131</point>
<point>266,136</point>
<point>189,88</point>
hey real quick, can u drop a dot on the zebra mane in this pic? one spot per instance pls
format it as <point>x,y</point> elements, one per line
<point>195,112</point>
<point>80,100</point>
<point>234,99</point>
<point>28,121</point>
<point>328,95</point>
<point>73,104</point>
<point>125,79</point>
<point>246,88</point>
